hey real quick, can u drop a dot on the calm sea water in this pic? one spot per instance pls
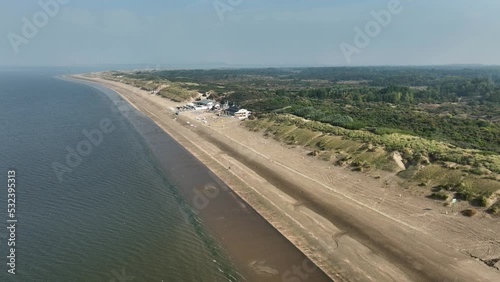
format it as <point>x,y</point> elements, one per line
<point>112,217</point>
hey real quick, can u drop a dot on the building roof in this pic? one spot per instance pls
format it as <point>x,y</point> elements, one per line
<point>233,109</point>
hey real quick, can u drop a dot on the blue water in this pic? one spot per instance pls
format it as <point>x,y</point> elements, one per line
<point>112,216</point>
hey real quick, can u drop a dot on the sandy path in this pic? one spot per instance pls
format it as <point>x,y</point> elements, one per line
<point>354,227</point>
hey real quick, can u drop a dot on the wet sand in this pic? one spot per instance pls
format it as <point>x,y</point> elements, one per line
<point>258,250</point>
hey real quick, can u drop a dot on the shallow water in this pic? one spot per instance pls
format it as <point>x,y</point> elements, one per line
<point>114,216</point>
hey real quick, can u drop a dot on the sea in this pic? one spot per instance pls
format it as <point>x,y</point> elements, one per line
<point>90,200</point>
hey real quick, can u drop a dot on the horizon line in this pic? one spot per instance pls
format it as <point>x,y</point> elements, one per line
<point>157,66</point>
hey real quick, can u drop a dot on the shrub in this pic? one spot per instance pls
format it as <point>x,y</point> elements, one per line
<point>495,208</point>
<point>314,153</point>
<point>477,171</point>
<point>355,125</point>
<point>464,195</point>
<point>465,191</point>
<point>343,160</point>
<point>439,196</point>
<point>482,201</point>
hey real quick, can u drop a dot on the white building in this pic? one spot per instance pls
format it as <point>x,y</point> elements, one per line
<point>242,114</point>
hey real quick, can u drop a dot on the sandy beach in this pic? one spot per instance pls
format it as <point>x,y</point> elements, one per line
<point>355,227</point>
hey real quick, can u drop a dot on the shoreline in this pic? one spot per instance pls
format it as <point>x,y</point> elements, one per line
<point>266,254</point>
<point>350,238</point>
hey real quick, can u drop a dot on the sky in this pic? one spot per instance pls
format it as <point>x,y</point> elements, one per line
<point>249,32</point>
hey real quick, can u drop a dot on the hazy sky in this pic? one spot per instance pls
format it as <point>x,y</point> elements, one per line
<point>248,32</point>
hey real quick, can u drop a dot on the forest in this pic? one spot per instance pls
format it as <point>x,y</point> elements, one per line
<point>455,104</point>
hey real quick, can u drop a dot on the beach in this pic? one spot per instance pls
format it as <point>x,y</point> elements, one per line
<point>353,226</point>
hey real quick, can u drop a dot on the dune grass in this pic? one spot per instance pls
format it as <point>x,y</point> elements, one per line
<point>412,148</point>
<point>177,93</point>
<point>364,150</point>
<point>495,208</point>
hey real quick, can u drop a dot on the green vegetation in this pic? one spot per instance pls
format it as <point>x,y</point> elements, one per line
<point>495,208</point>
<point>482,201</point>
<point>439,196</point>
<point>174,91</point>
<point>414,149</point>
<point>456,105</point>
<point>443,121</point>
<point>177,94</point>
